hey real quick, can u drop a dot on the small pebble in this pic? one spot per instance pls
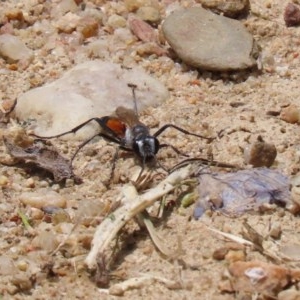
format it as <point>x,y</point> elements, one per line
<point>30,183</point>
<point>232,9</point>
<point>60,216</point>
<point>220,253</point>
<point>88,27</point>
<point>142,30</point>
<point>290,114</point>
<point>40,199</point>
<point>22,265</point>
<point>45,240</point>
<point>64,228</point>
<point>276,230</point>
<point>67,23</point>
<point>22,281</point>
<point>133,5</point>
<point>64,6</point>
<point>15,15</point>
<point>3,180</point>
<point>235,255</point>
<point>43,183</point>
<point>260,154</point>
<point>36,214</point>
<point>116,21</point>
<point>13,49</point>
<point>149,14</point>
<point>291,15</point>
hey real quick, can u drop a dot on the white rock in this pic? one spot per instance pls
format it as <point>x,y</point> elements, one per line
<point>92,89</point>
<point>43,198</point>
<point>12,48</point>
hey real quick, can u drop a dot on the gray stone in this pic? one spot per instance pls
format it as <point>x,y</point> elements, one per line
<point>208,41</point>
<point>91,89</point>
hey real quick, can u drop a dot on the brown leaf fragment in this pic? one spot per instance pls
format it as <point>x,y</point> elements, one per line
<point>260,277</point>
<point>44,157</point>
<point>142,30</point>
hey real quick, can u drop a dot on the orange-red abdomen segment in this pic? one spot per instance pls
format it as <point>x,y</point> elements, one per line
<point>116,126</point>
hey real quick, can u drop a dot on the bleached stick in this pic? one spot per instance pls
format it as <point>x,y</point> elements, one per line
<point>110,227</point>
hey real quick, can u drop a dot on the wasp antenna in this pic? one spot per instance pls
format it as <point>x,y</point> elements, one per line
<point>133,87</point>
<point>142,170</point>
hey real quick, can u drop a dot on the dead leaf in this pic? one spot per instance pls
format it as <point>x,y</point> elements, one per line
<point>43,157</point>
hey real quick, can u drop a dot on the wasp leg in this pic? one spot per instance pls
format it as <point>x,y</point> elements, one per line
<point>203,161</point>
<point>162,129</point>
<point>74,130</point>
<point>174,149</point>
<point>105,136</point>
<point>113,167</point>
<point>81,146</point>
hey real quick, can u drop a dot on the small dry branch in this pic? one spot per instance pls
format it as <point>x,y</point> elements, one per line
<point>133,205</point>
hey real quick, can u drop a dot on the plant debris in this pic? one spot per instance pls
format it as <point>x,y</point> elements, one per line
<point>241,191</point>
<point>133,204</point>
<point>40,155</point>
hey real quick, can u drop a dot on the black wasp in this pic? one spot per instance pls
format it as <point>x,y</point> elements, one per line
<point>126,130</point>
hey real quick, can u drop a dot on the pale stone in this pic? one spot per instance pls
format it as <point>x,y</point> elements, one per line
<point>13,49</point>
<point>116,21</point>
<point>43,198</point>
<point>149,14</point>
<point>91,89</point>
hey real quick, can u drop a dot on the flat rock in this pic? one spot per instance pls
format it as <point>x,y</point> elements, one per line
<point>208,41</point>
<point>91,89</point>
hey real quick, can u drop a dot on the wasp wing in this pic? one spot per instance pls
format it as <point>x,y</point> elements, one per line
<point>128,116</point>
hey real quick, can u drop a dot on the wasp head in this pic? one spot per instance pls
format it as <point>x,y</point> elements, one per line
<point>146,147</point>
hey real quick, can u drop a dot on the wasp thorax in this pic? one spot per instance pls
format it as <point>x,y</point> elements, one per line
<point>146,146</point>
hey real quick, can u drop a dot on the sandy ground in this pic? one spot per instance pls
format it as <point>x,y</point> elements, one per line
<point>199,101</point>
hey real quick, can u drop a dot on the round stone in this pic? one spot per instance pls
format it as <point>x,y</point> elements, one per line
<point>208,41</point>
